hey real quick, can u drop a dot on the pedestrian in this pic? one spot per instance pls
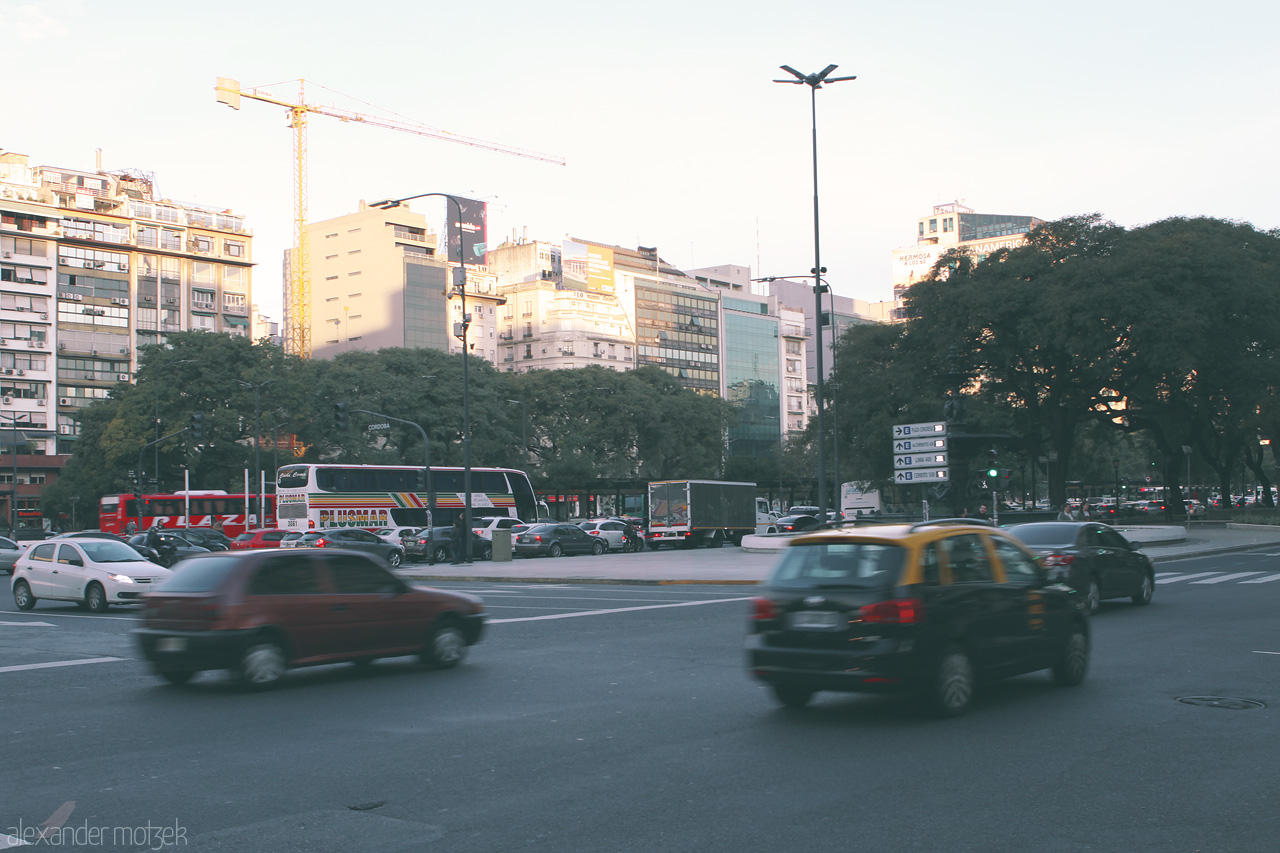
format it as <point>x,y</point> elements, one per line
<point>1085,515</point>
<point>216,527</point>
<point>459,536</point>
<point>964,513</point>
<point>428,533</point>
<point>130,528</point>
<point>983,513</point>
<point>1064,514</point>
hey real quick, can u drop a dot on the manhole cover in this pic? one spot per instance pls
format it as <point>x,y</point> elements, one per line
<point>1222,702</point>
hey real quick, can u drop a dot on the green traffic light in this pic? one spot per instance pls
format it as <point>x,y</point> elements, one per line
<point>992,472</point>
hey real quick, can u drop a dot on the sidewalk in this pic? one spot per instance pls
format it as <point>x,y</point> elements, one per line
<point>752,563</point>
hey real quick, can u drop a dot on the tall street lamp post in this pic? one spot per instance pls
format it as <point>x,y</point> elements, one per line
<point>387,204</point>
<point>814,82</point>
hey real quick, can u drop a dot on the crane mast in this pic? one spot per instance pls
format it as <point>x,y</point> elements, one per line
<point>298,288</point>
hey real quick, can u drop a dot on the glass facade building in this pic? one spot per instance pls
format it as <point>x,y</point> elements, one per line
<point>752,373</point>
<point>679,331</point>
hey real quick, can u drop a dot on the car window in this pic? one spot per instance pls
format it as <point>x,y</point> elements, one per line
<point>67,554</point>
<point>285,575</point>
<point>507,523</point>
<point>7,545</point>
<point>929,565</point>
<point>42,553</point>
<point>360,536</point>
<point>354,575</point>
<point>273,536</point>
<point>967,558</point>
<point>201,574</point>
<point>1111,539</point>
<point>859,565</point>
<point>109,552</point>
<point>1018,567</point>
<point>244,537</point>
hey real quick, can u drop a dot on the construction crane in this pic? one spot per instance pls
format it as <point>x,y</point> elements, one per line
<point>298,297</point>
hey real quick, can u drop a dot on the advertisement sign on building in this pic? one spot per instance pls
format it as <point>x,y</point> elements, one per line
<point>587,267</point>
<point>468,222</point>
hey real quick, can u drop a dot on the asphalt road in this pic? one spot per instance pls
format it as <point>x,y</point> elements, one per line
<point>598,717</point>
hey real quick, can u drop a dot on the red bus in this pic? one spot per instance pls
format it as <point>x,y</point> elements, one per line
<point>116,511</point>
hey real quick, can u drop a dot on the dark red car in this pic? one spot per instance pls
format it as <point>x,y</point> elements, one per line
<point>258,539</point>
<point>258,613</point>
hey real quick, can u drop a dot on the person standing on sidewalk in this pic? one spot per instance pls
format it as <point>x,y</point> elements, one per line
<point>459,538</point>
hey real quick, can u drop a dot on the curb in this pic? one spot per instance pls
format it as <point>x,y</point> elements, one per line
<point>1210,552</point>
<point>620,581</point>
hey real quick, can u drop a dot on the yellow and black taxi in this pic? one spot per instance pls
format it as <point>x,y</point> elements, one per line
<point>931,609</point>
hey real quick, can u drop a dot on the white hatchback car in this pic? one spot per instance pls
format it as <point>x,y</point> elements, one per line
<point>485,525</point>
<point>94,573</point>
<point>610,530</point>
<point>396,535</point>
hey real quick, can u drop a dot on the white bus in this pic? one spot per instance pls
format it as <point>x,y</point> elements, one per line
<point>310,497</point>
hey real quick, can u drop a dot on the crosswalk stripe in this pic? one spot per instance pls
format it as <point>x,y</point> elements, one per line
<point>1267,579</point>
<point>1188,577</point>
<point>1231,577</point>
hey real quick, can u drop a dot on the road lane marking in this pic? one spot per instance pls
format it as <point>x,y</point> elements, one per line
<point>57,663</point>
<point>35,624</point>
<point>1188,577</point>
<point>1256,652</point>
<point>1267,579</point>
<point>123,615</point>
<point>1231,577</point>
<point>615,610</point>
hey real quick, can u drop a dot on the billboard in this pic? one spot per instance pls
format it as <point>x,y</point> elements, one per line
<point>587,267</point>
<point>468,222</point>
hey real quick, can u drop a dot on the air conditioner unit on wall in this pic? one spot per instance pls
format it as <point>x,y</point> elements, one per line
<point>123,377</point>
<point>64,429</point>
<point>8,401</point>
<point>43,401</point>
<point>64,401</point>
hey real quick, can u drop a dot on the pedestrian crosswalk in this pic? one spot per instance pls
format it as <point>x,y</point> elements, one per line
<point>1215,577</point>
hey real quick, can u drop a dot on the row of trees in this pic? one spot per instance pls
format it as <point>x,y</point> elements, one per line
<point>1089,338</point>
<point>582,425</point>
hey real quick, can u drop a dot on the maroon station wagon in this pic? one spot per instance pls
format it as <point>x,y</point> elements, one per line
<point>257,613</point>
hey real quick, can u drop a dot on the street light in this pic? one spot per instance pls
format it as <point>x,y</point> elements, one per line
<point>387,204</point>
<point>524,431</point>
<point>257,442</point>
<point>814,82</point>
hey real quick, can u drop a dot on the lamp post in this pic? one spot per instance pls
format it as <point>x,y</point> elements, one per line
<point>387,204</point>
<point>257,442</point>
<point>814,82</point>
<point>524,432</point>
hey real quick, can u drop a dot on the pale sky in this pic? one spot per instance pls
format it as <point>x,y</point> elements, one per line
<point>674,135</point>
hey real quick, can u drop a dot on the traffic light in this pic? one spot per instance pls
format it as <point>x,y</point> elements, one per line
<point>993,470</point>
<point>1006,473</point>
<point>342,415</point>
<point>197,426</point>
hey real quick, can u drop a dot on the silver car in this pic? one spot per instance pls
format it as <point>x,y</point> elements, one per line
<point>355,539</point>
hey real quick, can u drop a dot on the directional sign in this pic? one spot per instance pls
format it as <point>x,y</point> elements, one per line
<point>926,475</point>
<point>919,430</point>
<point>919,445</point>
<point>919,460</point>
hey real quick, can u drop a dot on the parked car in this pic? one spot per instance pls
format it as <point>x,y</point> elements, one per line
<point>258,613</point>
<point>485,525</point>
<point>214,540</point>
<point>147,553</point>
<point>290,539</point>
<point>441,540</point>
<point>253,539</point>
<point>804,510</point>
<point>1092,558</point>
<point>555,540</point>
<point>930,609</point>
<point>613,531</point>
<point>796,523</point>
<point>10,551</point>
<point>395,535</point>
<point>172,547</point>
<point>354,539</point>
<point>94,573</point>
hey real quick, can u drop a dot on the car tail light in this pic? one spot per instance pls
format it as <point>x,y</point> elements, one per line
<point>320,543</point>
<point>1052,561</point>
<point>901,611</point>
<point>763,609</point>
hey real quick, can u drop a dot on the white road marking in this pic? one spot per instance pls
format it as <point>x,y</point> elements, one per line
<point>123,613</point>
<point>1256,652</point>
<point>1267,579</point>
<point>1188,577</point>
<point>57,663</point>
<point>1232,577</point>
<point>36,624</point>
<point>616,610</point>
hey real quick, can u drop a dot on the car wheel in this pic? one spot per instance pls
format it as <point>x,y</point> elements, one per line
<point>262,664</point>
<point>1092,597</point>
<point>22,596</point>
<point>442,555</point>
<point>176,676</point>
<point>792,696</point>
<point>555,550</point>
<point>486,553</point>
<point>717,540</point>
<point>394,559</point>
<point>1074,663</point>
<point>95,599</point>
<point>1144,592</point>
<point>597,548</point>
<point>446,647</point>
<point>950,692</point>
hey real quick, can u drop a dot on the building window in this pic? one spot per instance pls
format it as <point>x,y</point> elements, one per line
<point>171,240</point>
<point>933,226</point>
<point>949,224</point>
<point>202,300</point>
<point>201,243</point>
<point>233,248</point>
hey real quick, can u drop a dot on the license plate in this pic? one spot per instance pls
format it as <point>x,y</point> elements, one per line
<point>816,620</point>
<point>171,644</point>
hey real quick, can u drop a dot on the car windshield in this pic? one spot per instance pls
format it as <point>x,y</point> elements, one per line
<point>201,574</point>
<point>1059,535</point>
<point>107,551</point>
<point>838,565</point>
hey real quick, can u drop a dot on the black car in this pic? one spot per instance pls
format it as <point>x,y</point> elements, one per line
<point>172,547</point>
<point>797,523</point>
<point>929,609</point>
<point>440,540</point>
<point>1093,558</point>
<point>555,540</point>
<point>213,540</point>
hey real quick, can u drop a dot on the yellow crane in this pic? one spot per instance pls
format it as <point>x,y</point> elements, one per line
<point>298,295</point>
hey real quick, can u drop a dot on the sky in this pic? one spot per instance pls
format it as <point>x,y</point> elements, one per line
<point>673,134</point>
